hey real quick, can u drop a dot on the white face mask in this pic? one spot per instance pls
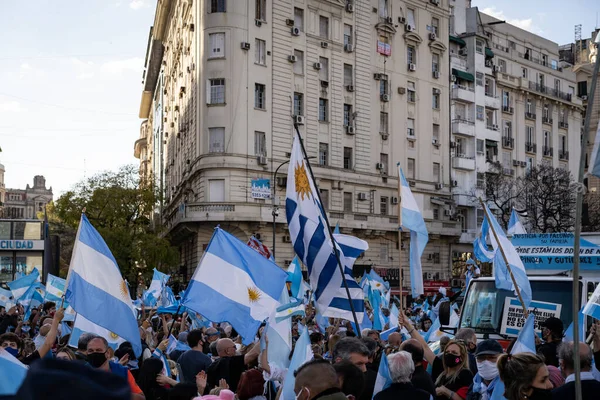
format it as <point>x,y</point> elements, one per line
<point>301,390</point>
<point>488,370</point>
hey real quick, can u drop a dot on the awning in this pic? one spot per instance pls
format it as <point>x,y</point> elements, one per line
<point>491,143</point>
<point>465,76</point>
<point>458,41</point>
<point>489,53</point>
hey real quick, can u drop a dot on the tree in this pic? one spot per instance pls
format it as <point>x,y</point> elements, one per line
<point>591,212</point>
<point>119,207</point>
<point>501,192</point>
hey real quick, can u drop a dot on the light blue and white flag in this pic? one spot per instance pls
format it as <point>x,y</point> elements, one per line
<point>569,332</point>
<point>295,278</point>
<point>20,286</point>
<point>302,354</point>
<point>234,283</point>
<point>83,325</point>
<point>280,336</point>
<point>434,333</point>
<point>386,334</point>
<point>198,321</point>
<point>384,379</point>
<point>166,371</point>
<point>374,281</point>
<point>501,272</point>
<point>289,310</point>
<point>592,308</point>
<point>515,227</point>
<point>412,219</point>
<point>6,300</point>
<point>55,289</point>
<point>594,163</point>
<point>526,340</point>
<point>159,281</point>
<point>96,290</point>
<point>394,314</point>
<point>65,329</point>
<point>480,249</point>
<point>13,373</point>
<point>322,322</point>
<point>33,297</point>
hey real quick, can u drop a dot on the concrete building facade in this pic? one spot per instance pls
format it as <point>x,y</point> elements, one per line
<point>26,203</point>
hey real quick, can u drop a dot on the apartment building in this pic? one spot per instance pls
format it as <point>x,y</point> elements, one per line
<point>367,83</point>
<point>26,203</point>
<point>511,103</point>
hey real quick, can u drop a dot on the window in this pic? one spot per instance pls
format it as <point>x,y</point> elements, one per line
<point>299,18</point>
<point>506,158</point>
<point>489,87</point>
<point>410,123</point>
<point>436,213</point>
<point>259,96</point>
<point>489,119</point>
<point>324,198</point>
<point>436,172</point>
<point>562,143</point>
<point>557,85</point>
<point>528,106</point>
<point>524,72</point>
<point>411,92</point>
<point>260,51</point>
<point>217,6</point>
<point>546,112</point>
<point>261,10</point>
<point>410,17</point>
<point>529,134</point>
<point>323,110</point>
<point>216,94</point>
<point>383,85</point>
<point>435,63</point>
<point>410,168</point>
<point>347,114</point>
<point>348,75</point>
<point>260,144</point>
<point>435,133</point>
<point>544,60</point>
<point>542,81</point>
<point>411,55</point>
<point>348,34</point>
<point>461,111</point>
<point>347,157</point>
<point>530,164</point>
<point>323,153</point>
<point>298,103</point>
<point>324,71</point>
<point>435,99</point>
<point>461,147</point>
<point>216,140</point>
<point>502,66</point>
<point>324,27</point>
<point>383,159</point>
<point>479,78</point>
<point>299,64</point>
<point>479,46</point>
<point>216,190</point>
<point>582,88</point>
<point>383,8</point>
<point>480,149</point>
<point>435,26</point>
<point>505,99</point>
<point>347,202</point>
<point>383,205</point>
<point>383,122</point>
<point>507,129</point>
<point>479,110</point>
<point>547,139</point>
<point>217,45</point>
<point>480,185</point>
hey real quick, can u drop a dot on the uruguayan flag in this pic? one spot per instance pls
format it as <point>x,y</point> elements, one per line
<point>412,219</point>
<point>502,275</point>
<point>20,286</point>
<point>515,227</point>
<point>6,299</point>
<point>83,325</point>
<point>293,308</point>
<point>309,231</point>
<point>384,379</point>
<point>236,284</point>
<point>13,373</point>
<point>526,340</point>
<point>159,281</point>
<point>55,289</point>
<point>302,354</point>
<point>96,290</point>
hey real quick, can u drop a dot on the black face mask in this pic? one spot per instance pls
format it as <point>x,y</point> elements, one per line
<point>451,360</point>
<point>96,359</point>
<point>540,394</point>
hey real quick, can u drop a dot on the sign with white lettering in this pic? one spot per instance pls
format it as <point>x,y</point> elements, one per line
<point>21,245</point>
<point>513,319</point>
<point>261,189</point>
<point>555,251</point>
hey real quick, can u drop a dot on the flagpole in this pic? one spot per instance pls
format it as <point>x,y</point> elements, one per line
<point>525,311</point>
<point>401,277</point>
<point>578,211</point>
<point>335,249</point>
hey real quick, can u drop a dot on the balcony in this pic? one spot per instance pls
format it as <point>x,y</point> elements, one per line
<point>547,151</point>
<point>547,120</point>
<point>530,147</point>
<point>492,101</point>
<point>548,91</point>
<point>508,142</point>
<point>507,80</point>
<point>530,115</point>
<point>563,125</point>
<point>468,235</point>
<point>492,127</point>
<point>463,127</point>
<point>463,93</point>
<point>462,161</point>
<point>508,110</point>
<point>508,171</point>
<point>563,155</point>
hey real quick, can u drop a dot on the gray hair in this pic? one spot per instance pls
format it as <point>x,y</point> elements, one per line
<point>347,346</point>
<point>567,354</point>
<point>401,366</point>
<point>84,339</point>
<point>464,334</point>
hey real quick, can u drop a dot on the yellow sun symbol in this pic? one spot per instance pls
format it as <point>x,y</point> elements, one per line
<point>302,183</point>
<point>124,289</point>
<point>253,294</point>
<point>59,293</point>
<point>114,336</point>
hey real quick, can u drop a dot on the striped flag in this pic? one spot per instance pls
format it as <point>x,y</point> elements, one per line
<point>12,371</point>
<point>19,286</point>
<point>384,379</point>
<point>290,310</point>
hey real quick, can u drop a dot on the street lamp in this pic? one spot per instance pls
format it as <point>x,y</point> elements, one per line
<point>275,211</point>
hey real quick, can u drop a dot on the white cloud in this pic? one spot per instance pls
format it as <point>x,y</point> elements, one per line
<point>118,67</point>
<point>137,4</point>
<point>526,24</point>
<point>11,106</point>
<point>83,69</point>
<point>28,71</point>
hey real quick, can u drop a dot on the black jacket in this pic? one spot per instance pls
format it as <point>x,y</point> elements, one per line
<point>402,391</point>
<point>590,389</point>
<point>422,380</point>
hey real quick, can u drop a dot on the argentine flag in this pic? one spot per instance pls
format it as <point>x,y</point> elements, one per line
<point>526,340</point>
<point>384,379</point>
<point>280,336</point>
<point>6,299</point>
<point>20,286</point>
<point>13,373</point>
<point>55,289</point>
<point>515,227</point>
<point>592,308</point>
<point>234,283</point>
<point>569,332</point>
<point>412,219</point>
<point>96,290</point>
<point>159,280</point>
<point>83,325</point>
<point>302,354</point>
<point>295,307</point>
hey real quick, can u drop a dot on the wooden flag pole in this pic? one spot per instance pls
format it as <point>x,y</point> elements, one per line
<point>525,310</point>
<point>401,277</point>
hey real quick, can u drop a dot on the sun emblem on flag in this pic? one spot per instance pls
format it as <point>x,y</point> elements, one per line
<point>302,182</point>
<point>113,336</point>
<point>253,294</point>
<point>124,289</point>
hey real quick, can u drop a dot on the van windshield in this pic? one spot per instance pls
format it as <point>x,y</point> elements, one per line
<point>483,307</point>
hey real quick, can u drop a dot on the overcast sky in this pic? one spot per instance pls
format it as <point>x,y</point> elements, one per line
<point>71,71</point>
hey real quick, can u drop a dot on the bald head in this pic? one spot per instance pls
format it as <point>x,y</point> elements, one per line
<point>314,378</point>
<point>566,354</point>
<point>395,339</point>
<point>45,329</point>
<point>414,347</point>
<point>226,348</point>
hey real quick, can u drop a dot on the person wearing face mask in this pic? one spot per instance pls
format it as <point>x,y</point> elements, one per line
<point>193,361</point>
<point>468,336</point>
<point>590,387</point>
<point>486,380</point>
<point>525,377</point>
<point>229,365</point>
<point>552,333</point>
<point>97,357</point>
<point>317,379</point>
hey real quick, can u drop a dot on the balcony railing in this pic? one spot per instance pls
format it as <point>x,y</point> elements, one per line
<point>563,124</point>
<point>508,142</point>
<point>508,109</point>
<point>492,127</point>
<point>530,115</point>
<point>563,154</point>
<point>539,61</point>
<point>508,171</point>
<point>530,147</point>
<point>550,91</point>
<point>547,120</point>
<point>548,151</point>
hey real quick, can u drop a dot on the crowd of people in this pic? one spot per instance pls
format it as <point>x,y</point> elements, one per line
<point>212,363</point>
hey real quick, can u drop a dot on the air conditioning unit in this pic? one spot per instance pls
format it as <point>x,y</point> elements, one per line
<point>324,84</point>
<point>462,52</point>
<point>295,31</point>
<point>262,160</point>
<point>412,67</point>
<point>362,196</point>
<point>412,183</point>
<point>379,166</point>
<point>439,186</point>
<point>516,163</point>
<point>401,20</point>
<point>436,75</point>
<point>523,163</point>
<point>350,88</point>
<point>289,22</point>
<point>384,136</point>
<point>496,68</point>
<point>448,213</point>
<point>584,97</point>
<point>495,127</point>
<point>432,36</point>
<point>435,142</point>
<point>282,181</point>
<point>435,2</point>
<point>385,97</point>
<point>317,65</point>
<point>298,119</point>
<point>401,90</point>
<point>292,58</point>
<point>389,20</point>
<point>394,200</point>
<point>377,77</point>
<point>350,130</point>
<point>436,91</point>
<point>324,45</point>
<point>348,48</point>
<point>245,46</point>
<point>409,28</point>
<point>453,78</point>
<point>350,7</point>
<point>287,239</point>
<point>258,23</point>
<point>454,183</point>
<point>452,145</point>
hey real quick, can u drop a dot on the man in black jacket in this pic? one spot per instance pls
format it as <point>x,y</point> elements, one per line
<point>420,378</point>
<point>401,368</point>
<point>590,388</point>
<point>552,333</point>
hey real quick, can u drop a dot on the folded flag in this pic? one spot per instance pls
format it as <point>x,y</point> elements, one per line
<point>236,284</point>
<point>515,227</point>
<point>302,354</point>
<point>526,340</point>
<point>20,286</point>
<point>293,308</point>
<point>280,336</point>
<point>159,280</point>
<point>384,379</point>
<point>257,245</point>
<point>83,325</point>
<point>13,373</point>
<point>569,332</point>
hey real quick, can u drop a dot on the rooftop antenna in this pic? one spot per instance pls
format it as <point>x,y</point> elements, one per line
<point>578,43</point>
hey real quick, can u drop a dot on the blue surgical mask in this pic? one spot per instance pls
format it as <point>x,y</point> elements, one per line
<point>25,328</point>
<point>11,351</point>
